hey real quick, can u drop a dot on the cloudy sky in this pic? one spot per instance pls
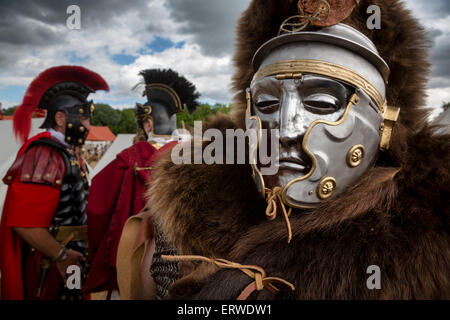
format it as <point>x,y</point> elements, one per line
<point>119,38</point>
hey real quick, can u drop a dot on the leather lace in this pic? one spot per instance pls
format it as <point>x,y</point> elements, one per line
<point>257,273</point>
<point>274,199</point>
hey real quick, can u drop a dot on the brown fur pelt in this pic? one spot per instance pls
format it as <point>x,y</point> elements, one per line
<point>396,220</point>
<point>396,217</point>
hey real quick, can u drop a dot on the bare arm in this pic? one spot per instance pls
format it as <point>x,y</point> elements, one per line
<point>42,240</point>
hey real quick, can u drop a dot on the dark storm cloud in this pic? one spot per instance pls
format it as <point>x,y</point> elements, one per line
<point>428,12</point>
<point>23,27</point>
<point>440,57</point>
<point>432,9</point>
<point>54,12</point>
<point>211,22</point>
<point>29,25</point>
<point>29,22</point>
<point>433,34</point>
<point>20,32</point>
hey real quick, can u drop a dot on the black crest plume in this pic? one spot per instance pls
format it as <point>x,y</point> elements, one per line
<point>185,89</point>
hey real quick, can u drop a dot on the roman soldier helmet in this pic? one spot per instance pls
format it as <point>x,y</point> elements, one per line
<point>167,94</point>
<point>63,88</point>
<point>385,69</point>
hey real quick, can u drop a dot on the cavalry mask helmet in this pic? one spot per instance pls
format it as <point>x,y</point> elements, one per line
<point>323,90</point>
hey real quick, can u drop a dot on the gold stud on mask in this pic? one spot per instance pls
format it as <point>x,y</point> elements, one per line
<point>326,188</point>
<point>355,156</point>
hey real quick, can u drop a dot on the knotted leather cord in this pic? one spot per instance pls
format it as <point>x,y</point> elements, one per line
<point>254,272</point>
<point>273,199</point>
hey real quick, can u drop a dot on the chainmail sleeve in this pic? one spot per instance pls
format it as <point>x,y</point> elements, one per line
<point>164,273</point>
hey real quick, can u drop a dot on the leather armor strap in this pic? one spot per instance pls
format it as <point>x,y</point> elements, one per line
<point>71,233</point>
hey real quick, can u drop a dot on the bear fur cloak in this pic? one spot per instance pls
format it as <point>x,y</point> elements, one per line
<point>395,217</point>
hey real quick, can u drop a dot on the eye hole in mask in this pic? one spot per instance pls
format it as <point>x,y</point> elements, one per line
<point>321,103</point>
<point>267,103</point>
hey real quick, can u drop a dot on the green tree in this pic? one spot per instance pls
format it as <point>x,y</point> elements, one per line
<point>9,111</point>
<point>105,115</point>
<point>127,122</point>
<point>445,105</point>
<point>123,121</point>
<point>202,113</point>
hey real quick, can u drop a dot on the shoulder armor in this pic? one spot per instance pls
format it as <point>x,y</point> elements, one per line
<point>42,163</point>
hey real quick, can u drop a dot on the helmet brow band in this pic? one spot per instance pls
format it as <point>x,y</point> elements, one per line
<point>326,69</point>
<point>168,90</point>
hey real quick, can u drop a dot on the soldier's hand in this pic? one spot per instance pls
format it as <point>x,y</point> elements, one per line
<point>73,258</point>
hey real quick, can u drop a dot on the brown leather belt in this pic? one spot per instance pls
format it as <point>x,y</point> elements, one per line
<point>71,233</point>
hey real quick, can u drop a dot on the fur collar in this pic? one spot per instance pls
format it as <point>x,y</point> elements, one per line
<point>204,209</point>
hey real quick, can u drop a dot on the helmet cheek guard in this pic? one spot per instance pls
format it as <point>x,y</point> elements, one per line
<point>76,132</point>
<point>341,152</point>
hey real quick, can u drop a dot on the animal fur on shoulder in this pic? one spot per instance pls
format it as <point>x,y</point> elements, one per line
<point>397,219</point>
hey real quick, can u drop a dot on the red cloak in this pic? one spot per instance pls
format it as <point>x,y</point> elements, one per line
<point>26,205</point>
<point>117,192</point>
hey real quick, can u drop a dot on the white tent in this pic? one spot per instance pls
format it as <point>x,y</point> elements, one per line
<point>444,120</point>
<point>121,142</point>
<point>9,147</point>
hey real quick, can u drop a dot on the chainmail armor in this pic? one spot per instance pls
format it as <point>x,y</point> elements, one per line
<point>165,273</point>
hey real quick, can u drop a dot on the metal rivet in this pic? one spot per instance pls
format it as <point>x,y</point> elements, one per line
<point>81,110</point>
<point>68,138</point>
<point>26,176</point>
<point>326,188</point>
<point>39,176</point>
<point>9,178</point>
<point>82,129</point>
<point>356,155</point>
<point>48,175</point>
<point>69,125</point>
<point>80,141</point>
<point>58,182</point>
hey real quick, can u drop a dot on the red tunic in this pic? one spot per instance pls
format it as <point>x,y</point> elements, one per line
<point>30,205</point>
<point>117,192</point>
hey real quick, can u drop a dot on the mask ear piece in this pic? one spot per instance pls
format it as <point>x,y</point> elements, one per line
<point>390,116</point>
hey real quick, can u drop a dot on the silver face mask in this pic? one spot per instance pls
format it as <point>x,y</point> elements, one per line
<point>325,93</point>
<point>164,104</point>
<point>164,123</point>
